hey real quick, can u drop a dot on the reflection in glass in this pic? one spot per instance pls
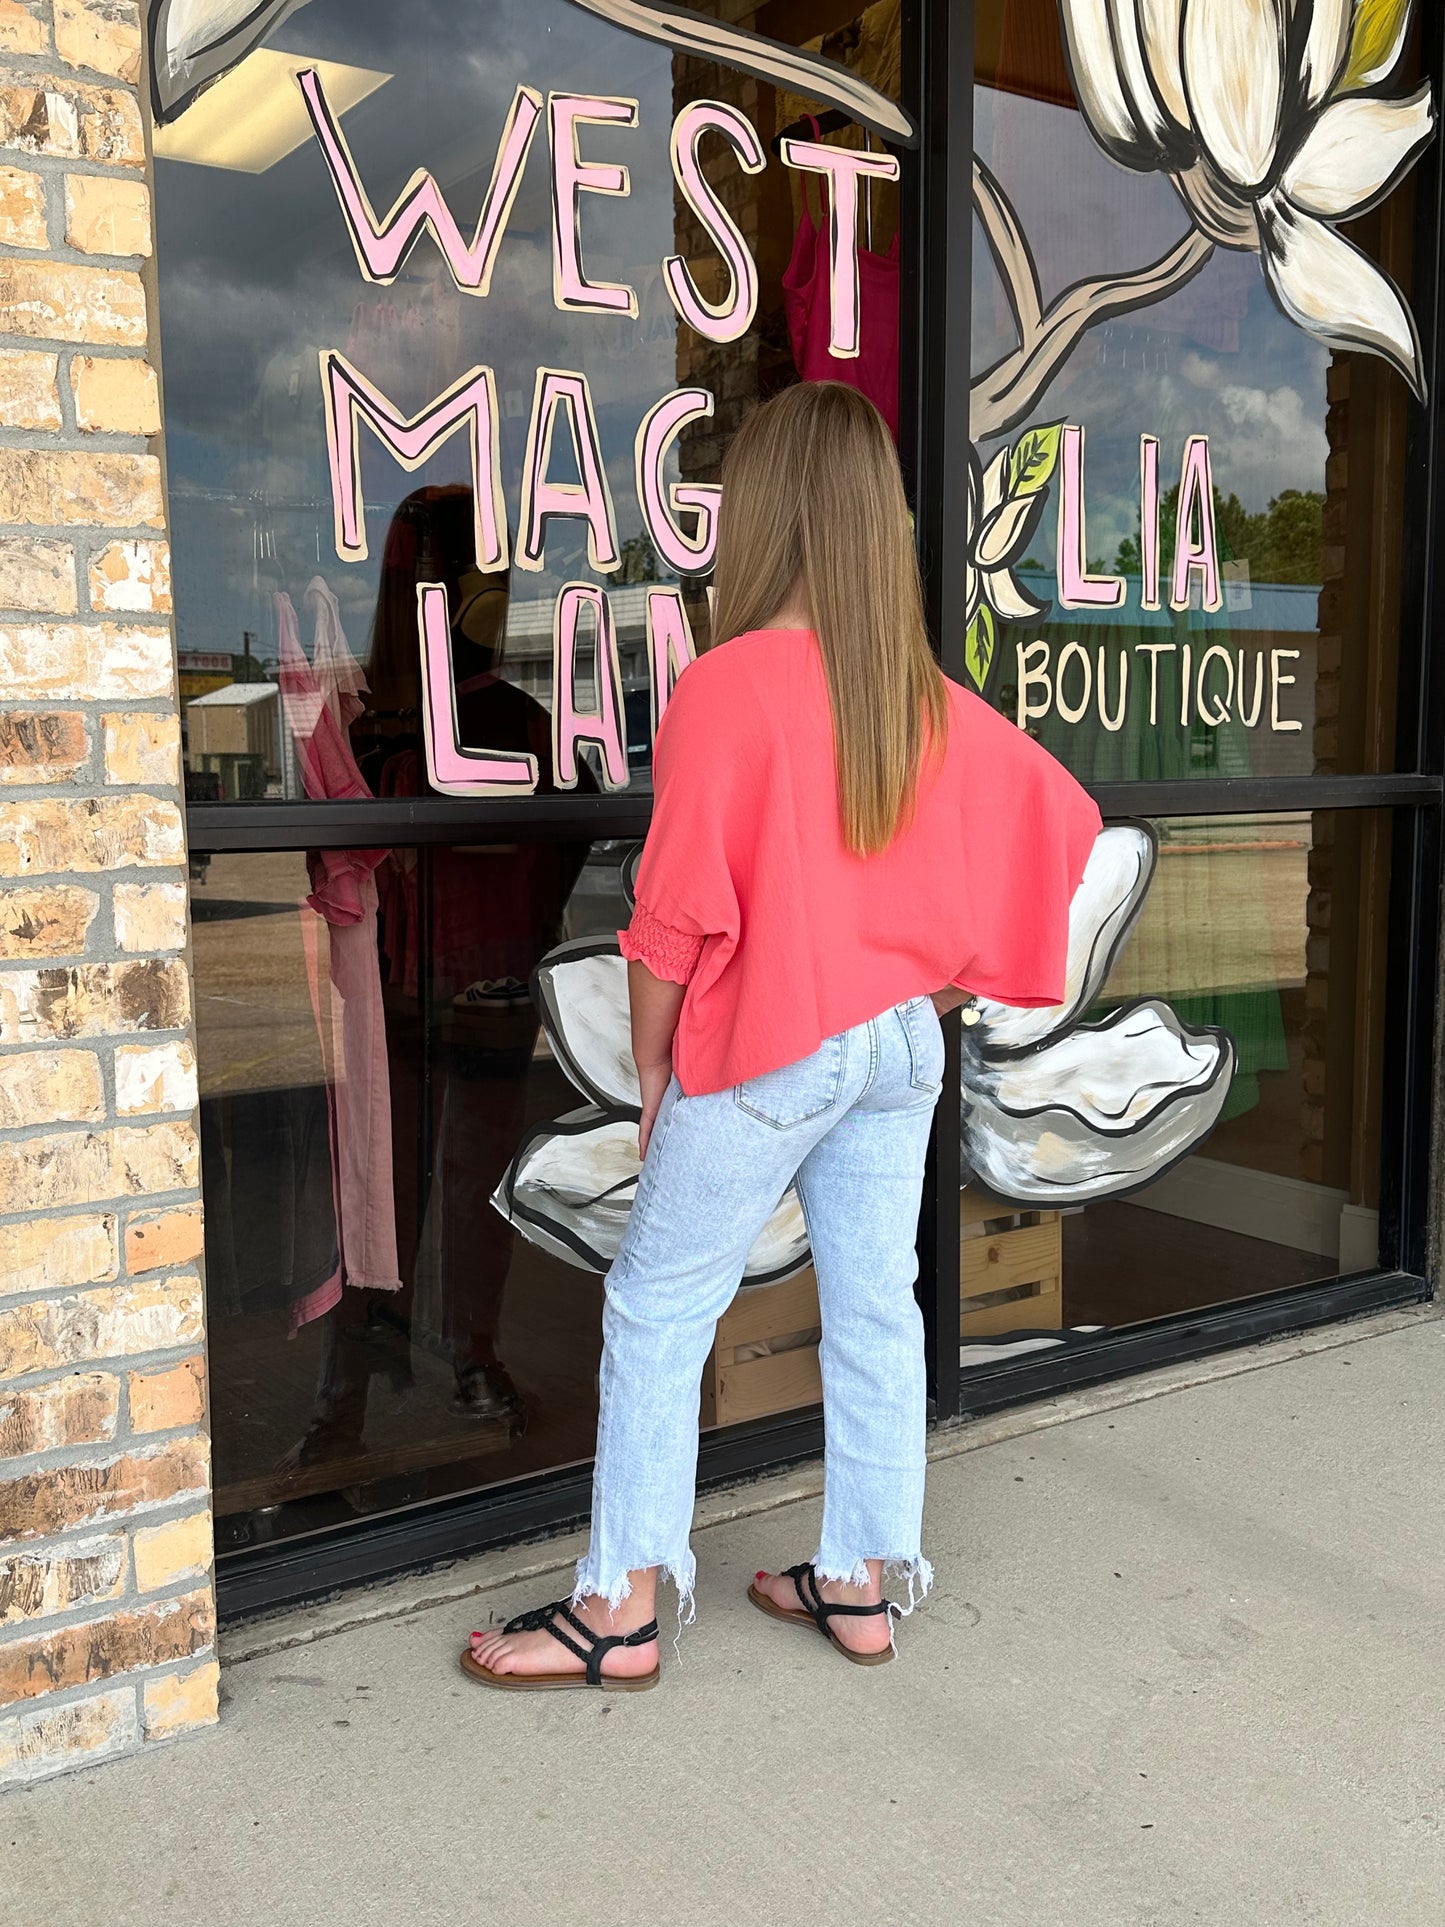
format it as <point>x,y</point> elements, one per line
<point>1212,588</point>
<point>259,277</point>
<point>1265,931</point>
<point>371,1055</point>
<point>353,1119</point>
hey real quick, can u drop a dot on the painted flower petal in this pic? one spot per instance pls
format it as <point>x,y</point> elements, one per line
<point>1004,534</point>
<point>1107,902</point>
<point>995,481</point>
<point>1326,286</point>
<point>1377,42</point>
<point>1098,88</point>
<point>1234,54</point>
<point>1355,153</point>
<point>781,1247</point>
<point>1103,1111</point>
<point>1146,46</point>
<point>1159,23</point>
<point>571,1185</point>
<point>1326,44</point>
<point>1009,599</point>
<point>581,993</point>
<point>627,870</point>
<point>199,39</point>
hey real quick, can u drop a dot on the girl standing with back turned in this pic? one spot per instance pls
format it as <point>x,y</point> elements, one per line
<point>844,845</point>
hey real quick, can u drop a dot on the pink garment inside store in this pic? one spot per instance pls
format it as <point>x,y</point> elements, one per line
<point>807,299</point>
<point>322,698</point>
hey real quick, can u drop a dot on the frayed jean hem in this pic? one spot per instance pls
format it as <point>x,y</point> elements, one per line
<point>591,1584</point>
<point>917,1571</point>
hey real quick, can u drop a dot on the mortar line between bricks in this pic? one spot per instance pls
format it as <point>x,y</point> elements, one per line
<point>137,1676</point>
<point>157,1357</point>
<point>94,1453</point>
<point>51,66</point>
<point>126,621</point>
<point>98,441</point>
<point>158,1200</point>
<point>73,1538</point>
<point>123,873</point>
<point>27,1047</point>
<point>94,1045</point>
<point>23,1045</point>
<point>65,344</point>
<point>97,1611</point>
<point>54,1212</point>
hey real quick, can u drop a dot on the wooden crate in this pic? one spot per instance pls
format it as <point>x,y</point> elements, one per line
<point>1011,1277</point>
<point>740,1380</point>
<point>1011,1267</point>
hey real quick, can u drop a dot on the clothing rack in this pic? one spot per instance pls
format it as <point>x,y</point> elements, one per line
<point>830,122</point>
<point>803,129</point>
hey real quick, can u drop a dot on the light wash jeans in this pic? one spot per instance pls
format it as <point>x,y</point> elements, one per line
<point>851,1124</point>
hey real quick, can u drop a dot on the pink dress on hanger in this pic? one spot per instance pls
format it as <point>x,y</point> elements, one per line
<point>322,698</point>
<point>874,369</point>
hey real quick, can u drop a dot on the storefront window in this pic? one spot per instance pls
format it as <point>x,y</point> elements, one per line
<point>1193,364</point>
<point>1206,1108</point>
<point>460,308</point>
<point>1190,478</point>
<point>419,1139</point>
<point>325,387</point>
<point>379,1332</point>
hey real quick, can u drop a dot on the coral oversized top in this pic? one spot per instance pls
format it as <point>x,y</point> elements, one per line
<point>747,893</point>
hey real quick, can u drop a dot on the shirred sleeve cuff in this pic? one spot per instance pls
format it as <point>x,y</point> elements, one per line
<point>667,952</point>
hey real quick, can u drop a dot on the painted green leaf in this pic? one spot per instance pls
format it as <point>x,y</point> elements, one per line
<point>978,651</point>
<point>1374,42</point>
<point>1035,456</point>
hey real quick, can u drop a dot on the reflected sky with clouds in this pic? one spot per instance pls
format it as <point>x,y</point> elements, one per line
<point>1216,359</point>
<point>257,274</point>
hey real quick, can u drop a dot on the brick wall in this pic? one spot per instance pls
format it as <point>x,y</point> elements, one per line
<point>106,1609</point>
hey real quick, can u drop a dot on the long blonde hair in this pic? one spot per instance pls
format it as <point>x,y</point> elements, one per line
<point>813,509</point>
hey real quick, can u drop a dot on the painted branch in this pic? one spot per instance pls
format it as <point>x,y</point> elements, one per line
<point>1006,393</point>
<point>1010,249</point>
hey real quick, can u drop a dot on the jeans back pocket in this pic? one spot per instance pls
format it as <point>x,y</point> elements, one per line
<point>798,1091</point>
<point>925,1044</point>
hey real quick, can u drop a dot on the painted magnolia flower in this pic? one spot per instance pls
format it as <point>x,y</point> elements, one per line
<point>572,1182</point>
<point>1005,502</point>
<point>1055,1111</point>
<point>1268,118</point>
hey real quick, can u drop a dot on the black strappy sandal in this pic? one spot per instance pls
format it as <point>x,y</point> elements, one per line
<point>814,1611</point>
<point>543,1619</point>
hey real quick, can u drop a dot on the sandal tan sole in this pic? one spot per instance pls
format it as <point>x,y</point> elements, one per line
<point>554,1682</point>
<point>795,1616</point>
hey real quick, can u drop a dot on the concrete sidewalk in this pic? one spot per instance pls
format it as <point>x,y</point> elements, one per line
<point>1183,1665</point>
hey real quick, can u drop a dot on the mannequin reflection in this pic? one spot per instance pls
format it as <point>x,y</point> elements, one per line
<point>461,929</point>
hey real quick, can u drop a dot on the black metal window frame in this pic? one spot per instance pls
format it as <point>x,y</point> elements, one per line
<point>934,442</point>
